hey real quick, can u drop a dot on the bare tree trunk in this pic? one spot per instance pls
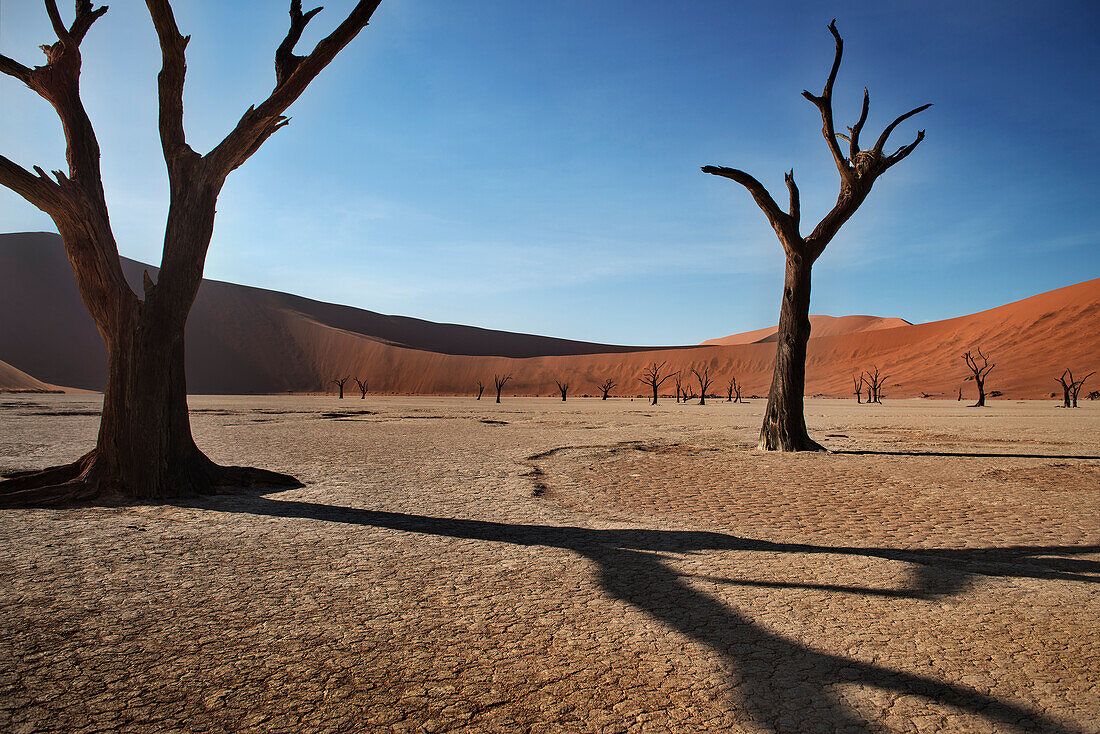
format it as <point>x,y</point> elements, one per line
<point>784,426</point>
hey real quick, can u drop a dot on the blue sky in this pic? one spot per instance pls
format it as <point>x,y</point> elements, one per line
<point>534,166</point>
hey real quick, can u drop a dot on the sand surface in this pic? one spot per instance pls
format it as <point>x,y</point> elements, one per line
<point>454,565</point>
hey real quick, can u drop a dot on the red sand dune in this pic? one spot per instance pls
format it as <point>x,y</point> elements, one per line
<point>820,326</point>
<point>242,340</point>
<point>13,380</point>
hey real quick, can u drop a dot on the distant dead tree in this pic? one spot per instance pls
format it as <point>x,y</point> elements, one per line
<point>501,381</point>
<point>702,374</point>
<point>874,386</point>
<point>480,389</point>
<point>563,388</point>
<point>362,384</point>
<point>980,373</point>
<point>605,387</point>
<point>784,427</point>
<point>733,391</point>
<point>960,394</point>
<point>1094,395</point>
<point>652,376</point>
<point>679,388</point>
<point>1072,388</point>
<point>145,448</point>
<point>857,383</point>
<point>340,383</point>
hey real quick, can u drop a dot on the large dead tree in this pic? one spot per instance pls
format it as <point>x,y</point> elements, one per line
<point>702,374</point>
<point>563,388</point>
<point>145,448</point>
<point>1078,385</point>
<point>784,427</point>
<point>874,385</point>
<point>362,385</point>
<point>501,381</point>
<point>480,389</point>
<point>652,376</point>
<point>340,382</point>
<point>980,373</point>
<point>605,387</point>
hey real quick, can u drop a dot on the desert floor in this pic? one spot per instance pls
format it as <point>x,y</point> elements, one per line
<point>453,565</point>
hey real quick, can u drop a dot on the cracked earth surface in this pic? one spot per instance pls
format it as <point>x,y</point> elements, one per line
<point>588,566</point>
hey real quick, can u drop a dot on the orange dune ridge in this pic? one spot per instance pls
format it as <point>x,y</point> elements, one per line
<point>14,380</point>
<point>249,340</point>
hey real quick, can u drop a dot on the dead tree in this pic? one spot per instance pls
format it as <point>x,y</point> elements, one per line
<point>679,387</point>
<point>340,384</point>
<point>784,427</point>
<point>733,391</point>
<point>563,388</point>
<point>480,389</point>
<point>145,448</point>
<point>652,376</point>
<point>1074,388</point>
<point>874,386</point>
<point>605,387</point>
<point>980,373</point>
<point>362,385</point>
<point>1094,395</point>
<point>501,381</point>
<point>1067,388</point>
<point>857,383</point>
<point>702,374</point>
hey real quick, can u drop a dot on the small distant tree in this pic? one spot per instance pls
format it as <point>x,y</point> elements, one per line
<point>605,387</point>
<point>857,383</point>
<point>1074,387</point>
<point>652,376</point>
<point>480,389</point>
<point>980,373</point>
<point>362,384</point>
<point>340,384</point>
<point>733,391</point>
<point>563,388</point>
<point>702,374</point>
<point>679,388</point>
<point>874,386</point>
<point>1094,395</point>
<point>501,381</point>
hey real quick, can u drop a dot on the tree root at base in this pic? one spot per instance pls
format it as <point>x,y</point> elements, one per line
<point>85,480</point>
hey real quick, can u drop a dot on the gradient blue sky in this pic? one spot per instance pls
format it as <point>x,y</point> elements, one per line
<point>534,166</point>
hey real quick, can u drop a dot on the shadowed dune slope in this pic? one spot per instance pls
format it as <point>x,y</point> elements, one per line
<point>14,380</point>
<point>246,340</point>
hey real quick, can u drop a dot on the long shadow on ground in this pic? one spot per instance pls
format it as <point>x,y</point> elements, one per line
<point>785,686</point>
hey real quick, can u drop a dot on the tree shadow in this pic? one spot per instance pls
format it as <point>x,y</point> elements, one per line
<point>961,454</point>
<point>783,685</point>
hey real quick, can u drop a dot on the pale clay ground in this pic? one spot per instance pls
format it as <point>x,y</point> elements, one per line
<point>584,566</point>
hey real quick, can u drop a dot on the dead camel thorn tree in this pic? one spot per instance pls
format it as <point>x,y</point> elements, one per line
<point>857,383</point>
<point>980,373</point>
<point>605,387</point>
<point>563,388</point>
<point>652,376</point>
<point>362,385</point>
<point>702,374</point>
<point>480,389</point>
<point>679,388</point>
<point>501,381</point>
<point>733,391</point>
<point>1072,388</point>
<point>874,386</point>
<point>145,448</point>
<point>784,427</point>
<point>340,384</point>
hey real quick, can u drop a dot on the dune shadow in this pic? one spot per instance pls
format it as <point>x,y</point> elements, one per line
<point>782,684</point>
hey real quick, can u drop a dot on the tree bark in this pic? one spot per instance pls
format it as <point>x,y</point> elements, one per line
<point>784,426</point>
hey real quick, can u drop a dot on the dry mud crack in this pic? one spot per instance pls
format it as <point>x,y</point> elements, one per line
<point>667,578</point>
